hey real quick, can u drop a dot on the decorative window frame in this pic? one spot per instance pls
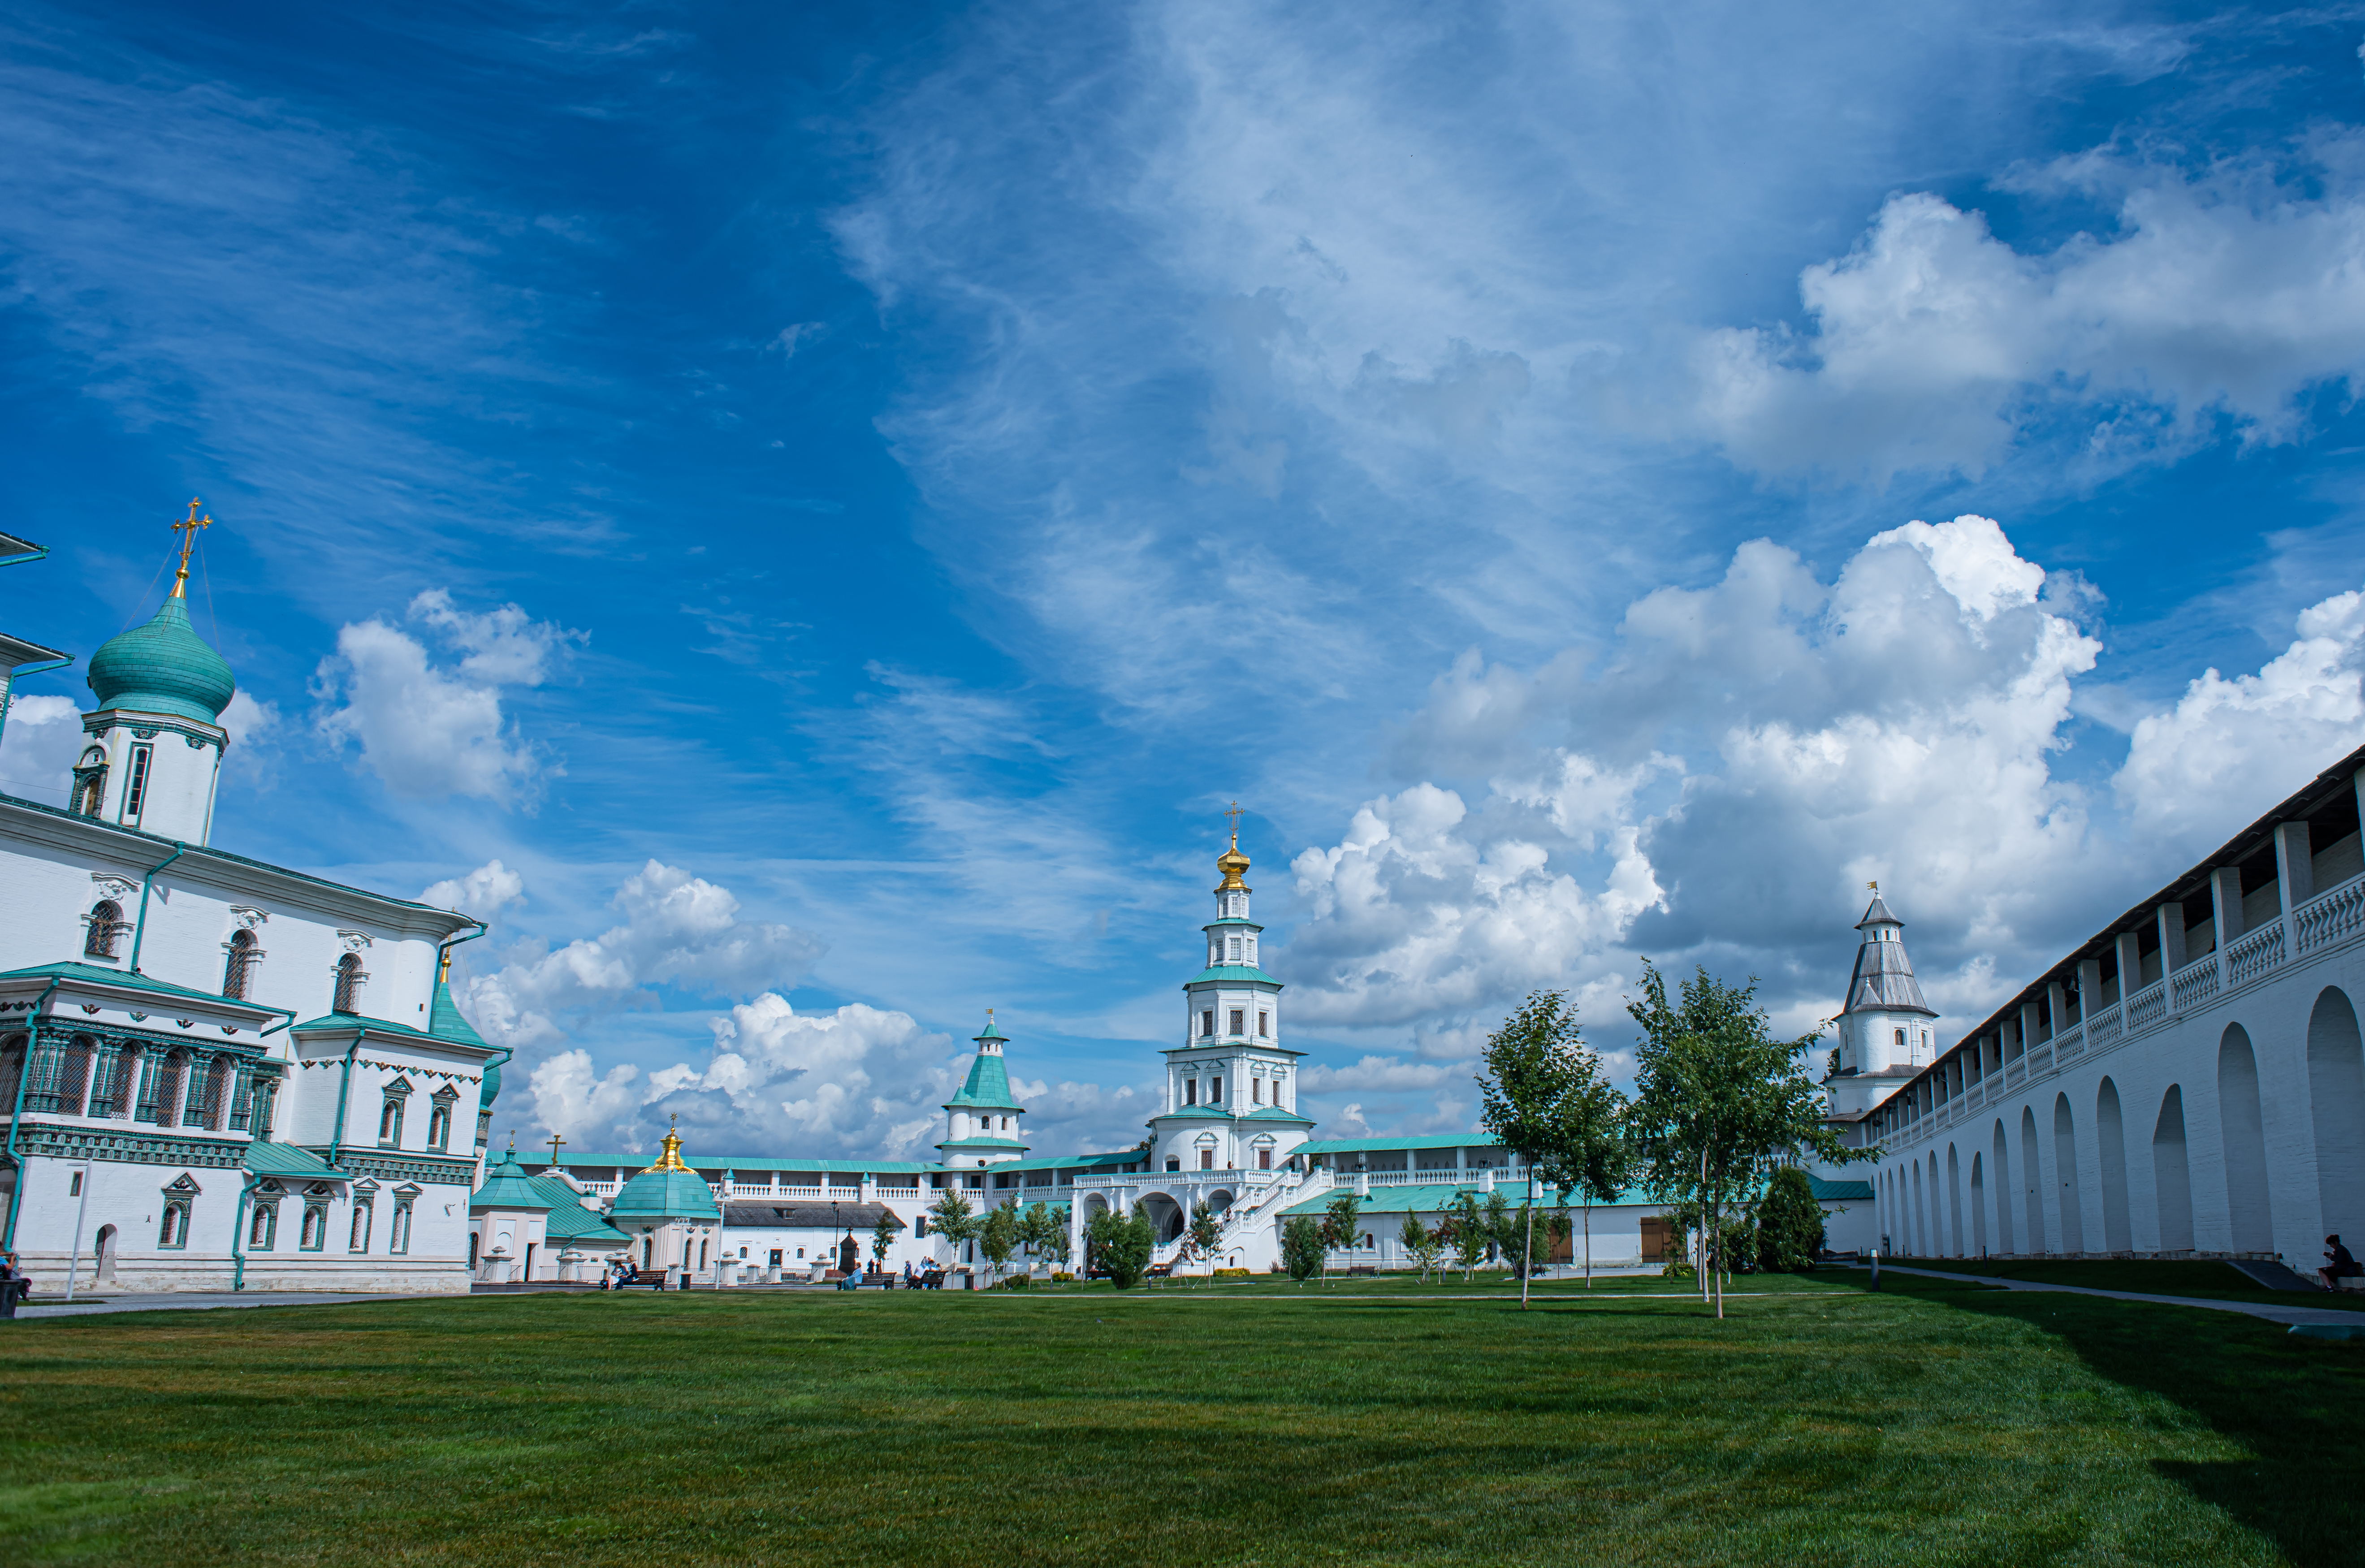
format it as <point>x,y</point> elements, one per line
<point>138,785</point>
<point>89,796</point>
<point>102,927</point>
<point>443,1112</point>
<point>397,1234</point>
<point>396,1101</point>
<point>314,1234</point>
<point>357,1239</point>
<point>180,1206</point>
<point>262,1230</point>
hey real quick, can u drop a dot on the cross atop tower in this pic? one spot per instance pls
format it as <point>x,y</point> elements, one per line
<point>1235,815</point>
<point>187,529</point>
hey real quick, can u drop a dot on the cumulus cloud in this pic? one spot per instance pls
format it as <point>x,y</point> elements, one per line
<point>678,930</point>
<point>431,731</point>
<point>2196,772</point>
<point>1373,1072</point>
<point>1934,344</point>
<point>39,747</point>
<point>851,1082</point>
<point>483,892</point>
<point>1757,749</point>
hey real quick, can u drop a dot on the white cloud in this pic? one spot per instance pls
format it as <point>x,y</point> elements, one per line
<point>39,748</point>
<point>1376,1072</point>
<point>678,930</point>
<point>2231,748</point>
<point>483,892</point>
<point>1934,344</point>
<point>430,732</point>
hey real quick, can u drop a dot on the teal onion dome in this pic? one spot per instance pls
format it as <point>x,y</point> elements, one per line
<point>163,668</point>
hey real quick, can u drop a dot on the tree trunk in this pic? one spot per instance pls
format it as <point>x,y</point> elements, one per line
<point>1589,1243</point>
<point>1528,1250</point>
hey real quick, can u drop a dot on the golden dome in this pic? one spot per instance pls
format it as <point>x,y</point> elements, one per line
<point>1231,863</point>
<point>672,1159</point>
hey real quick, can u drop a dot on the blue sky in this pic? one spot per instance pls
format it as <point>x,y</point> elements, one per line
<point>805,518</point>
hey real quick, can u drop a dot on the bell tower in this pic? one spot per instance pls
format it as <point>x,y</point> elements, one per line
<point>154,759</point>
<point>1885,1031</point>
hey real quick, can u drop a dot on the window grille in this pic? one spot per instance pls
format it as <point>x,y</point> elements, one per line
<point>349,984</point>
<point>398,1237</point>
<point>238,971</point>
<point>175,1231</point>
<point>361,1234</point>
<point>107,923</point>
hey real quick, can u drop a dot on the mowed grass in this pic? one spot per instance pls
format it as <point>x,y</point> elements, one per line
<point>2208,1279</point>
<point>1375,1422</point>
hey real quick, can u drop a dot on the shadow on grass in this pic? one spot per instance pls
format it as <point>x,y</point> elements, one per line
<point>2296,1405</point>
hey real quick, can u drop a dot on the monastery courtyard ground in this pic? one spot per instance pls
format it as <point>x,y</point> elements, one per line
<point>1376,1422</point>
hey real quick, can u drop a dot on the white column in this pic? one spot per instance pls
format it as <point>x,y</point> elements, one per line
<point>2090,988</point>
<point>2225,905</point>
<point>2130,964</point>
<point>2294,873</point>
<point>2171,937</point>
<point>2057,1002</point>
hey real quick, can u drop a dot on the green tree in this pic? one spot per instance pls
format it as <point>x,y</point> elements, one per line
<point>882,1234</point>
<point>1342,1222</point>
<point>1467,1219</point>
<point>1301,1248</point>
<point>998,1237</point>
<point>1118,1247</point>
<point>1053,1239</point>
<point>1422,1245</point>
<point>1499,1224</point>
<point>954,1221</point>
<point>1524,1093</point>
<point>1789,1223</point>
<point>1206,1230</point>
<point>1719,1102</point>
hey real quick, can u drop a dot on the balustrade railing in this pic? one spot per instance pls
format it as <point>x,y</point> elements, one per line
<point>2014,1072</point>
<point>2105,1026</point>
<point>2070,1041</point>
<point>2148,1006</point>
<point>2254,953</point>
<point>2040,1061</point>
<point>2193,984</point>
<point>2322,921</point>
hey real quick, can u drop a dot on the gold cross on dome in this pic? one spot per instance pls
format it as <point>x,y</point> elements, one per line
<point>187,529</point>
<point>1874,885</point>
<point>1236,814</point>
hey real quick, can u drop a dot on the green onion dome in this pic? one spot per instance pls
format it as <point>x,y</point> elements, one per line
<point>163,668</point>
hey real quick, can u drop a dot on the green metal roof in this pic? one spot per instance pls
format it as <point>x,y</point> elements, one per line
<point>569,1221</point>
<point>1431,1199</point>
<point>99,974</point>
<point>984,1143</point>
<point>1242,974</point>
<point>200,853</point>
<point>332,1022</point>
<point>163,668</point>
<point>988,1087</point>
<point>1232,920</point>
<point>792,1164</point>
<point>1828,1191</point>
<point>665,1194</point>
<point>1358,1145</point>
<point>290,1163</point>
<point>1070,1161</point>
<point>506,1186</point>
<point>1276,1114</point>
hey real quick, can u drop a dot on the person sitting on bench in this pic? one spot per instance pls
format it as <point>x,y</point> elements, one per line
<point>2339,1264</point>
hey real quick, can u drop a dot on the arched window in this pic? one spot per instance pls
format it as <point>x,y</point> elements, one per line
<point>439,1118</point>
<point>175,1231</point>
<point>389,1123</point>
<point>1900,1036</point>
<point>314,1237</point>
<point>398,1240</point>
<point>106,924</point>
<point>238,973</point>
<point>349,984</point>
<point>265,1228</point>
<point>89,783</point>
<point>361,1236</point>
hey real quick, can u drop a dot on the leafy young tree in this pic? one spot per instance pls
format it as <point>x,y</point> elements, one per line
<point>1545,1098</point>
<point>882,1235</point>
<point>1422,1245</point>
<point>954,1221</point>
<point>998,1237</point>
<point>1499,1224</point>
<point>1789,1223</point>
<point>1301,1251</point>
<point>1468,1220</point>
<point>1719,1102</point>
<point>1341,1223</point>
<point>1055,1244</point>
<point>1035,1228</point>
<point>1206,1231</point>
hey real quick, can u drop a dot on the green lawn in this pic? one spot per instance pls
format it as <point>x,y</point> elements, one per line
<point>1375,1422</point>
<point>2208,1279</point>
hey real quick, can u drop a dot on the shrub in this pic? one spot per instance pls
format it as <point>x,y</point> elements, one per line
<point>1060,1277</point>
<point>1789,1223</point>
<point>1231,1273</point>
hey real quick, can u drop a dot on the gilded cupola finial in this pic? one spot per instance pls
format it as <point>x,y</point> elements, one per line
<point>672,1159</point>
<point>187,530</point>
<point>1231,862</point>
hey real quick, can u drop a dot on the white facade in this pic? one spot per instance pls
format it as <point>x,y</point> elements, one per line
<point>216,1071</point>
<point>2189,1082</point>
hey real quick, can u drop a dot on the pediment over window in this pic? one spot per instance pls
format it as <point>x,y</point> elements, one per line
<point>400,1086</point>
<point>407,1190</point>
<point>321,1190</point>
<point>365,1186</point>
<point>184,1186</point>
<point>446,1095</point>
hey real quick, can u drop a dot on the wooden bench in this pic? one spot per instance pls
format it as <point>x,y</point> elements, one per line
<point>1159,1271</point>
<point>1355,1268</point>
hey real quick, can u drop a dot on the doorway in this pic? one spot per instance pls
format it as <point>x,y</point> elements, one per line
<point>104,1248</point>
<point>848,1255</point>
<point>1655,1239</point>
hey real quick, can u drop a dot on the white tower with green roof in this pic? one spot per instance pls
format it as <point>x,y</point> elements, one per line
<point>1231,1087</point>
<point>984,1124</point>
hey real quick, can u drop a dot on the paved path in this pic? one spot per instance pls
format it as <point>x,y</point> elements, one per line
<point>197,1301</point>
<point>2273,1312</point>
